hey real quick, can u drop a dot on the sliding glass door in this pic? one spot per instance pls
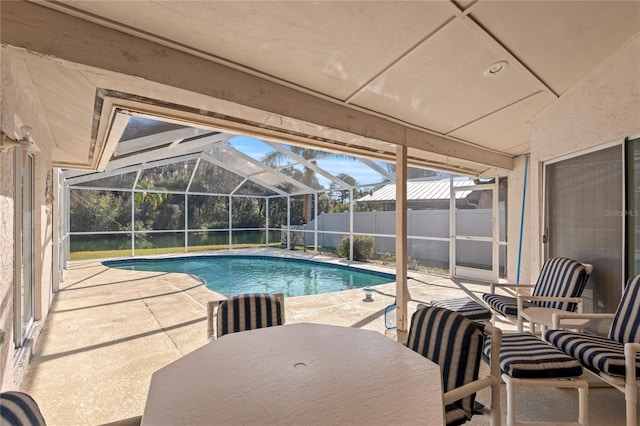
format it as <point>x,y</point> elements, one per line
<point>584,206</point>
<point>24,248</point>
<point>632,211</point>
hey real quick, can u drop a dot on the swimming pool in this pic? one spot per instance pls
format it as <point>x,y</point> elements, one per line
<point>237,274</point>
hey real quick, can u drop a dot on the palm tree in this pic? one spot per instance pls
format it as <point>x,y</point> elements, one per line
<point>152,199</point>
<point>276,158</point>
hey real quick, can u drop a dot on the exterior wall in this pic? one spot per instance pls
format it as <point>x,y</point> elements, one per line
<point>604,107</point>
<point>516,257</point>
<point>7,208</point>
<point>20,106</point>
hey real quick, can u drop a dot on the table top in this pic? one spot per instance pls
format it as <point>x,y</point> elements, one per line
<point>302,374</point>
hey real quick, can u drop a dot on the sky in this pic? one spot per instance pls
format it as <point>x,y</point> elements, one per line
<point>363,174</point>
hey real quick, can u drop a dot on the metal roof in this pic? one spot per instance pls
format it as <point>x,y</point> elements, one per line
<point>425,190</point>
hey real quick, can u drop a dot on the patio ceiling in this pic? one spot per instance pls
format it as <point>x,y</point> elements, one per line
<point>356,77</point>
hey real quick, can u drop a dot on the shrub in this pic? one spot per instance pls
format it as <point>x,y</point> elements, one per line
<point>362,247</point>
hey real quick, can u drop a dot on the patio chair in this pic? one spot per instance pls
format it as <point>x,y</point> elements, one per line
<point>244,312</point>
<point>19,408</point>
<point>558,287</point>
<point>614,358</point>
<point>455,344</point>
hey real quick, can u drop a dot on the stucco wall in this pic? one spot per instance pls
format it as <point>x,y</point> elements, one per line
<point>604,107</point>
<point>516,259</point>
<point>20,105</point>
<point>7,209</point>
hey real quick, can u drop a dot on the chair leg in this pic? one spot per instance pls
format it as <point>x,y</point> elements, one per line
<point>580,385</point>
<point>496,413</point>
<point>583,405</point>
<point>631,398</point>
<point>511,401</point>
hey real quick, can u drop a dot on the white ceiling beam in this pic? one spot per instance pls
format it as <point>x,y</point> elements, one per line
<point>157,139</point>
<point>244,175</point>
<point>305,188</point>
<point>130,168</point>
<point>184,148</point>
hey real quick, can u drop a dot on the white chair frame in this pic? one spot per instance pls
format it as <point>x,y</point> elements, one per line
<point>523,293</point>
<point>491,380</point>
<point>629,384</point>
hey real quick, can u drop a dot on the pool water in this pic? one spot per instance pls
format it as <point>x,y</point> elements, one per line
<point>231,275</point>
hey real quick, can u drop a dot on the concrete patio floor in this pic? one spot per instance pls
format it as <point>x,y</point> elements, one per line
<point>110,329</point>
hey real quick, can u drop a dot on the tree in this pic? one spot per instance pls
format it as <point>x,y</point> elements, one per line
<point>307,176</point>
<point>343,194</point>
<point>152,199</point>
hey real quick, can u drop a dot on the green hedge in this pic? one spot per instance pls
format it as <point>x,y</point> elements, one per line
<point>362,248</point>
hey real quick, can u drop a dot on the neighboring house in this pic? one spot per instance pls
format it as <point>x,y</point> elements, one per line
<point>421,195</point>
<point>429,195</point>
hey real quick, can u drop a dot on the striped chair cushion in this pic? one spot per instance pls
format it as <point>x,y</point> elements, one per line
<point>625,327</point>
<point>248,312</point>
<point>505,305</point>
<point>560,277</point>
<point>465,306</point>
<point>455,344</point>
<point>525,356</point>
<point>19,409</point>
<point>597,353</point>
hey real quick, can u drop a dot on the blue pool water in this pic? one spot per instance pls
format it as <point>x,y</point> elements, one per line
<point>231,275</point>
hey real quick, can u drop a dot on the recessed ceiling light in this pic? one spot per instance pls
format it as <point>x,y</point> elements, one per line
<point>494,69</point>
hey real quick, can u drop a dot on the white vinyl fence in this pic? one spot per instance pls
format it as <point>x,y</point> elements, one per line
<point>428,233</point>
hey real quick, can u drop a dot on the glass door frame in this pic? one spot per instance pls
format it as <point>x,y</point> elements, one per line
<point>467,272</point>
<point>24,239</point>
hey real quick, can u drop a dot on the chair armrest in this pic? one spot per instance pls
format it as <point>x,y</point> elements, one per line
<point>465,390</point>
<point>280,297</point>
<point>630,351</point>
<point>522,297</point>
<point>493,286</point>
<point>557,316</point>
<point>212,305</point>
<point>496,341</point>
<point>550,298</point>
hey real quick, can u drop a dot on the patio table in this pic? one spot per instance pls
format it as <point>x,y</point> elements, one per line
<point>304,373</point>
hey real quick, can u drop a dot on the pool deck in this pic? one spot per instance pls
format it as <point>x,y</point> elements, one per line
<point>110,329</point>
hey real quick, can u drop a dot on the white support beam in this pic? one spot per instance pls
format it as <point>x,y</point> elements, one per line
<point>402,294</point>
<point>380,170</point>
